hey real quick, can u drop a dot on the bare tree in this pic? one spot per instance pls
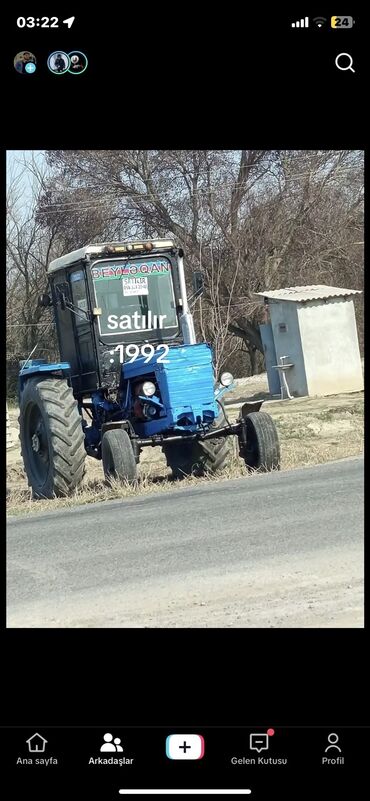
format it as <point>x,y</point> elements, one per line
<point>250,220</point>
<point>253,210</point>
<point>214,317</point>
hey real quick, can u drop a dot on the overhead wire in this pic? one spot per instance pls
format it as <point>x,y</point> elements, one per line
<point>127,195</point>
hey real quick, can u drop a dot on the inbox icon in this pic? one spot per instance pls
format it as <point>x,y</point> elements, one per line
<point>258,742</point>
<point>185,746</point>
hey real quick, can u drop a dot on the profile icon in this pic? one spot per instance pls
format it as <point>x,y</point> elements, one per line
<point>78,62</point>
<point>25,62</point>
<point>333,743</point>
<point>58,62</point>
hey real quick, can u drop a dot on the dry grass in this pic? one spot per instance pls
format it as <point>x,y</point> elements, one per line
<point>311,431</point>
<point>320,429</point>
<point>19,501</point>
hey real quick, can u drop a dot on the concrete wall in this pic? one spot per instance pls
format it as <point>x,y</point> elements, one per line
<point>330,345</point>
<point>288,343</point>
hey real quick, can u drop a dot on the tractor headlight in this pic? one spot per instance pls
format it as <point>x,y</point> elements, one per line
<point>226,379</point>
<point>148,389</point>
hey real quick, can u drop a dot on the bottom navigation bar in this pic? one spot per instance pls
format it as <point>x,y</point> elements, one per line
<point>185,792</point>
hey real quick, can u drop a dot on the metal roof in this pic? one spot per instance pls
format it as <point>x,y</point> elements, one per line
<point>300,294</point>
<point>76,255</point>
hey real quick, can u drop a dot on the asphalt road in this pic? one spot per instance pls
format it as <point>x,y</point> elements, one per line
<point>278,550</point>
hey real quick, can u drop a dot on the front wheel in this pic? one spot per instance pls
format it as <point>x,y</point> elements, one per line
<point>198,457</point>
<point>118,456</point>
<point>52,439</point>
<point>262,451</point>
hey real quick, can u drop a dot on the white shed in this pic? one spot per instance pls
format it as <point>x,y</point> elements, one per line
<point>313,330</point>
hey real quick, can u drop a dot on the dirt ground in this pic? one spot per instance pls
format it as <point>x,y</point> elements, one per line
<point>311,431</point>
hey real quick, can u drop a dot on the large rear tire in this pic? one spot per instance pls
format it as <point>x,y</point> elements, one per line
<point>52,439</point>
<point>263,448</point>
<point>198,458</point>
<point>118,456</point>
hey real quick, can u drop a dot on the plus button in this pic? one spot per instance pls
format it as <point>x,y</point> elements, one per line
<point>184,746</point>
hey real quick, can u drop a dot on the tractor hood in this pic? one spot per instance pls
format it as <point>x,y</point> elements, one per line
<point>184,383</point>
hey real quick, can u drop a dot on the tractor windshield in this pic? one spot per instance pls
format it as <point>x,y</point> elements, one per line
<point>136,298</point>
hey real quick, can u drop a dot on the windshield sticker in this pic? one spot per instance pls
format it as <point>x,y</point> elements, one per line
<point>135,286</point>
<point>147,268</point>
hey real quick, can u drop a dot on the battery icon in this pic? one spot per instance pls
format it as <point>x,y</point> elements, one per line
<point>341,22</point>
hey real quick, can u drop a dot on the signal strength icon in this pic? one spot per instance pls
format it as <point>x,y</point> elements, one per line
<point>301,23</point>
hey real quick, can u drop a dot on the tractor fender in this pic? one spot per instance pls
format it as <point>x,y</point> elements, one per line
<point>42,368</point>
<point>250,406</point>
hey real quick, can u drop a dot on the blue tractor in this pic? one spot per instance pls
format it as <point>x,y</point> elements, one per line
<point>131,375</point>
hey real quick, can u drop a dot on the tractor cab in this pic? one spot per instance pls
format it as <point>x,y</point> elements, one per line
<point>110,295</point>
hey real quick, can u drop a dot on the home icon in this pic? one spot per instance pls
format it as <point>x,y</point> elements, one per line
<point>36,743</point>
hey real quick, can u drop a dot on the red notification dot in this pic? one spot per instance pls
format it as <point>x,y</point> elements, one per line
<point>270,732</point>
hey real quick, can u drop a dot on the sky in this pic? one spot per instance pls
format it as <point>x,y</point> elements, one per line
<point>13,156</point>
<point>15,168</point>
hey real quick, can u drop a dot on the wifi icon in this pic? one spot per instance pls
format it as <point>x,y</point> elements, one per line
<point>319,21</point>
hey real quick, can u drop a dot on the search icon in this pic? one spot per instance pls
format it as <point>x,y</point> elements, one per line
<point>349,62</point>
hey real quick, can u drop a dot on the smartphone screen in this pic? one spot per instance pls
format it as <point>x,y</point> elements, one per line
<point>185,335</point>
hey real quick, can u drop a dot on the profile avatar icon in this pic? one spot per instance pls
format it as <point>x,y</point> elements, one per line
<point>108,745</point>
<point>58,62</point>
<point>25,62</point>
<point>78,62</point>
<point>333,739</point>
